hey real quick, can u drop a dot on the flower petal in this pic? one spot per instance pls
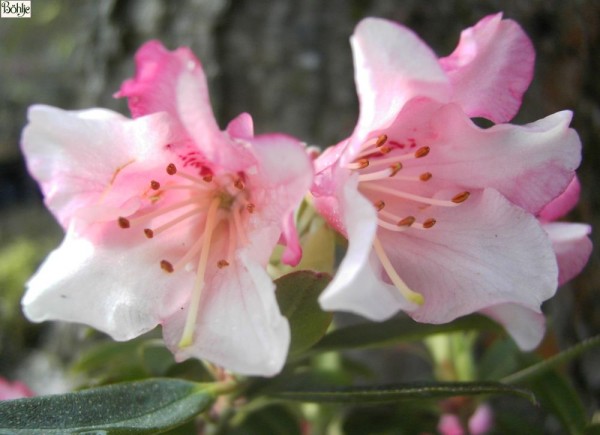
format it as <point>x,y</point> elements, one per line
<point>241,127</point>
<point>482,253</point>
<point>174,82</point>
<point>115,286</point>
<point>530,165</point>
<point>283,176</point>
<point>92,158</point>
<point>562,204</point>
<point>572,247</point>
<point>239,323</point>
<point>392,65</point>
<point>491,68</point>
<point>358,286</point>
<point>526,326</point>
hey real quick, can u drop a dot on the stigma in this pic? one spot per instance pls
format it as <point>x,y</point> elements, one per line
<point>208,213</point>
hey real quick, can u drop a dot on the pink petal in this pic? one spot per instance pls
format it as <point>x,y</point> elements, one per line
<point>174,82</point>
<point>284,175</point>
<point>449,424</point>
<point>530,164</point>
<point>562,204</point>
<point>93,158</point>
<point>482,421</point>
<point>491,68</point>
<point>482,253</point>
<point>526,326</point>
<point>116,286</point>
<point>13,390</point>
<point>572,247</point>
<point>358,286</point>
<point>392,65</point>
<point>239,324</point>
<point>241,127</point>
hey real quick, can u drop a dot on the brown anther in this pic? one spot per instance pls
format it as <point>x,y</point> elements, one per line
<point>239,184</point>
<point>207,178</point>
<point>395,168</point>
<point>123,222</point>
<point>385,149</point>
<point>166,266</point>
<point>381,140</point>
<point>250,207</point>
<point>155,185</point>
<point>148,232</point>
<point>461,197</point>
<point>222,263</point>
<point>379,205</point>
<point>425,176</point>
<point>362,163</point>
<point>421,152</point>
<point>171,169</point>
<point>429,223</point>
<point>407,221</point>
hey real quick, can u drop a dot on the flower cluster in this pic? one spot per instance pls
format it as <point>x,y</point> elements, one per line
<point>170,220</point>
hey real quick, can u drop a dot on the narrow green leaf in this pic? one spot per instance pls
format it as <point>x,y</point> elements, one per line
<point>396,330</point>
<point>150,406</point>
<point>297,295</point>
<point>397,392</point>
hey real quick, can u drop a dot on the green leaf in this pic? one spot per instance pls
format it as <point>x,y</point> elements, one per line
<point>396,330</point>
<point>150,406</point>
<point>297,294</point>
<point>272,419</point>
<point>395,393</point>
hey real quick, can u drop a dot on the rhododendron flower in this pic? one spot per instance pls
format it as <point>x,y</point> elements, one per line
<point>169,220</point>
<point>13,390</point>
<point>440,214</point>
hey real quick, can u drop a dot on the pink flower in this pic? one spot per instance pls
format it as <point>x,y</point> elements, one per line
<point>13,390</point>
<point>481,422</point>
<point>169,220</point>
<point>440,214</point>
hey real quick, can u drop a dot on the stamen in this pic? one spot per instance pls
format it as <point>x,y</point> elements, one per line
<point>407,221</point>
<point>394,169</point>
<point>172,222</point>
<point>390,226</point>
<point>405,291</point>
<point>385,149</point>
<point>154,185</point>
<point>148,232</point>
<point>379,205</point>
<point>461,197</point>
<point>409,196</point>
<point>429,223</point>
<point>207,178</point>
<point>425,176</point>
<point>382,139</point>
<point>250,207</point>
<point>166,266</point>
<point>171,169</point>
<point>359,164</point>
<point>239,184</point>
<point>222,263</point>
<point>194,306</point>
<point>422,152</point>
<point>124,222</point>
<point>237,219</point>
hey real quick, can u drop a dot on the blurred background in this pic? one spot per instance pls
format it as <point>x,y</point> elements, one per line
<point>289,64</point>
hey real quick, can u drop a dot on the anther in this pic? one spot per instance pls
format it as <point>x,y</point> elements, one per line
<point>166,266</point>
<point>123,222</point>
<point>207,178</point>
<point>239,184</point>
<point>421,152</point>
<point>362,163</point>
<point>222,263</point>
<point>379,205</point>
<point>429,223</point>
<point>148,232</point>
<point>395,168</point>
<point>171,169</point>
<point>407,221</point>
<point>250,207</point>
<point>385,149</point>
<point>155,185</point>
<point>425,176</point>
<point>381,140</point>
<point>461,197</point>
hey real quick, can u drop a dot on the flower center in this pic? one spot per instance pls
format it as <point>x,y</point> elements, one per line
<point>392,175</point>
<point>216,208</point>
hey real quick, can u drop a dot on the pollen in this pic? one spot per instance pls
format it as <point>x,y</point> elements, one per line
<point>382,139</point>
<point>362,163</point>
<point>379,205</point>
<point>422,152</point>
<point>425,176</point>
<point>395,168</point>
<point>149,233</point>
<point>166,266</point>
<point>461,197</point>
<point>207,178</point>
<point>239,184</point>
<point>123,222</point>
<point>429,223</point>
<point>250,207</point>
<point>171,169</point>
<point>407,221</point>
<point>222,263</point>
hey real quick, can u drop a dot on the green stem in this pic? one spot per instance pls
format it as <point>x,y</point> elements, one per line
<point>550,363</point>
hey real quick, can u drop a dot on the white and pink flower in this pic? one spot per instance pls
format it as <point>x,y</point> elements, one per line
<point>441,215</point>
<point>168,219</point>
